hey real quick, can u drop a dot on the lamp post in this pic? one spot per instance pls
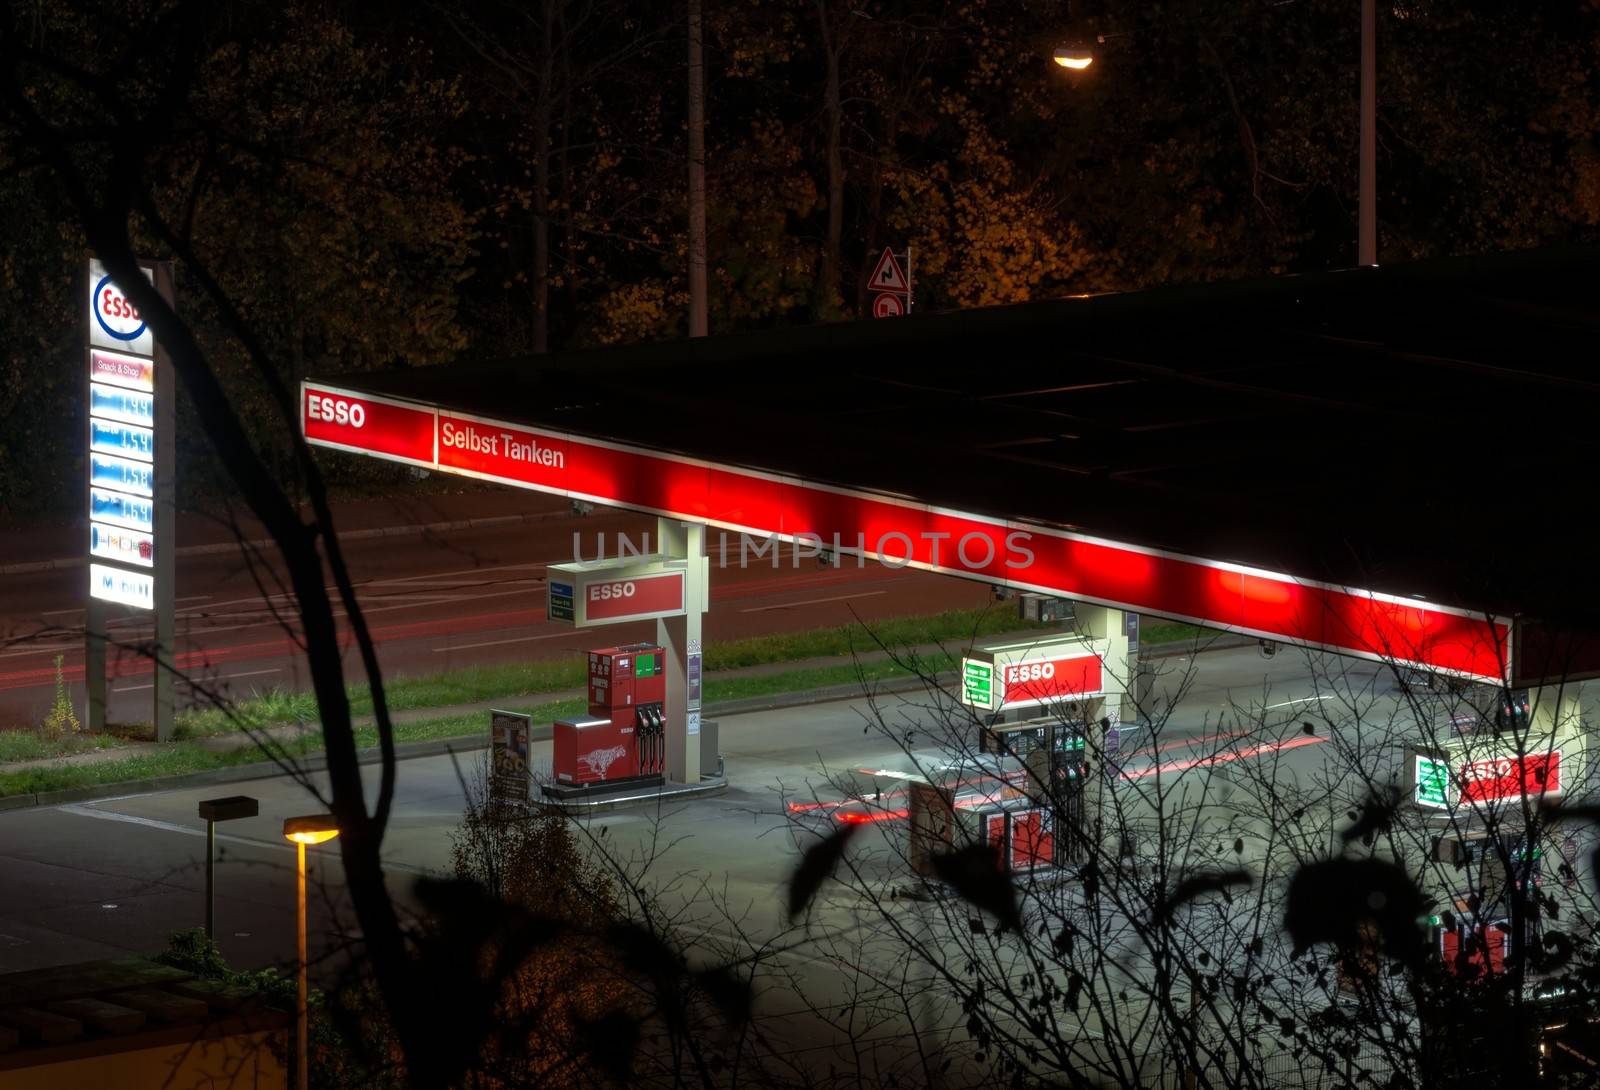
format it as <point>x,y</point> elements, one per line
<point>1367,211</point>
<point>309,829</point>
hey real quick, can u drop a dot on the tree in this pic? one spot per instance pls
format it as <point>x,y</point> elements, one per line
<point>89,105</point>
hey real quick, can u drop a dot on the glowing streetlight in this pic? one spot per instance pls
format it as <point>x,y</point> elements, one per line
<point>309,829</point>
<point>1074,55</point>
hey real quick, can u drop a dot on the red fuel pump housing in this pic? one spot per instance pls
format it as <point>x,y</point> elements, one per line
<point>627,691</point>
<point>593,749</point>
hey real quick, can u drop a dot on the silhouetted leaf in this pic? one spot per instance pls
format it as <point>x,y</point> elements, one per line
<point>974,872</point>
<point>1333,901</point>
<point>1238,845</point>
<point>816,866</point>
<point>1194,886</point>
<point>642,951</point>
<point>1555,953</point>
<point>1075,984</point>
<point>611,1042</point>
<point>1307,728</point>
<point>1376,814</point>
<point>729,991</point>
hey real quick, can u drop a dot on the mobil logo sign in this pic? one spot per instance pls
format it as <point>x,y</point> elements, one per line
<point>114,319</point>
<point>366,424</point>
<point>1051,680</point>
<point>614,591</point>
<point>1512,777</point>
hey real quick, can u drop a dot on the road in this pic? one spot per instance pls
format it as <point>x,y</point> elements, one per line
<point>434,601</point>
<point>100,878</point>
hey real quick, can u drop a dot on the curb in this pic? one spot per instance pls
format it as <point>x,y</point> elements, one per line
<point>63,563</point>
<point>436,747</point>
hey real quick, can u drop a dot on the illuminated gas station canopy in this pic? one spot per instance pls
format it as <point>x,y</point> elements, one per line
<point>1373,462</point>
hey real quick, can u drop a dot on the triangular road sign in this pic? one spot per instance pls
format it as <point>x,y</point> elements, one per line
<point>887,276</point>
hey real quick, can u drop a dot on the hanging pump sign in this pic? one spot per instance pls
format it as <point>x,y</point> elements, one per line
<point>596,592</point>
<point>1048,671</point>
<point>1439,782</point>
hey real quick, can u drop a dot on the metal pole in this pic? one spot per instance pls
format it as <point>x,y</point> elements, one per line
<point>162,654</point>
<point>911,281</point>
<point>211,886</point>
<point>1367,247</point>
<point>697,177</point>
<point>94,660</point>
<point>300,1034</point>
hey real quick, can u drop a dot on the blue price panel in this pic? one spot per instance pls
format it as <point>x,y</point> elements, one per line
<point>121,474</point>
<point>120,510</point>
<point>124,440</point>
<point>124,406</point>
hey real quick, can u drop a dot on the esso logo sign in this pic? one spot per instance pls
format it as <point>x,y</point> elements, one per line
<point>1489,770</point>
<point>336,410</point>
<point>1030,671</point>
<point>605,592</point>
<point>115,312</point>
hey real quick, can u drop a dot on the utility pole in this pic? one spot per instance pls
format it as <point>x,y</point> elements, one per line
<point>1367,214</point>
<point>697,176</point>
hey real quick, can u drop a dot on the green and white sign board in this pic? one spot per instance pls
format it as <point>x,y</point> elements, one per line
<point>977,684</point>
<point>1432,782</point>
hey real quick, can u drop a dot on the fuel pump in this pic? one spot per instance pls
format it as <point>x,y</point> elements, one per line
<point>626,725</point>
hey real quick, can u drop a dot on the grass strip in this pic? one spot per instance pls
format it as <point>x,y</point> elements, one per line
<point>189,756</point>
<point>499,681</point>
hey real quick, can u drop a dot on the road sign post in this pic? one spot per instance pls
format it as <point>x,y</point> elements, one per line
<point>891,286</point>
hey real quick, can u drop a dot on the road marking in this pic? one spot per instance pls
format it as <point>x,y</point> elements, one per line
<point>462,571</point>
<point>497,643</point>
<point>204,681</point>
<point>79,609</point>
<point>814,601</point>
<point>90,810</point>
<point>248,673</point>
<point>1302,700</point>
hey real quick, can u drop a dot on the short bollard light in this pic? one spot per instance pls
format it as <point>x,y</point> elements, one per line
<point>228,808</point>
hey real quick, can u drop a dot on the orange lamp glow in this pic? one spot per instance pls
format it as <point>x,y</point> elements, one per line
<point>310,829</point>
<point>1075,57</point>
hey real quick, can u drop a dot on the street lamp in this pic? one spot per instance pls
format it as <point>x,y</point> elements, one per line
<point>1074,55</point>
<point>308,829</point>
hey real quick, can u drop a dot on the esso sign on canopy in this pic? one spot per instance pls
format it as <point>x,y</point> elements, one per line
<point>336,410</point>
<point>114,320</point>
